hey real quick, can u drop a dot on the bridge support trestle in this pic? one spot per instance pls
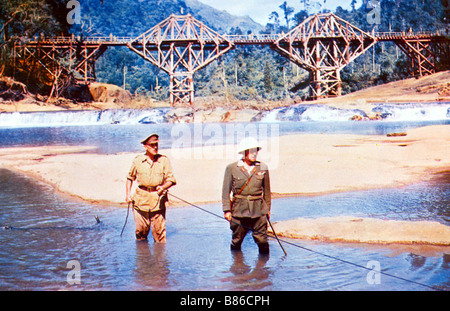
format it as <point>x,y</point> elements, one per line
<point>59,62</point>
<point>323,44</point>
<point>180,45</point>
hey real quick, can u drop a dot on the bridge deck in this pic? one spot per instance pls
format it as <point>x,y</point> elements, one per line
<point>251,39</point>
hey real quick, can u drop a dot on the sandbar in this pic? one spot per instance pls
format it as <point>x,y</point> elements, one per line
<point>300,165</point>
<point>349,229</point>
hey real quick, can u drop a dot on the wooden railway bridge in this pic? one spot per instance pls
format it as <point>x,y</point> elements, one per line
<point>181,45</point>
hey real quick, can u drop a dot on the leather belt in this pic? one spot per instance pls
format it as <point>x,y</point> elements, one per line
<point>149,189</point>
<point>248,197</point>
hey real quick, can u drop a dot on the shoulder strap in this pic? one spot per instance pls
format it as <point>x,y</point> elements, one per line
<point>247,181</point>
<point>245,185</point>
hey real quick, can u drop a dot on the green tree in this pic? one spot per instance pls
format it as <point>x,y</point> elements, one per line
<point>287,11</point>
<point>267,78</point>
<point>21,20</point>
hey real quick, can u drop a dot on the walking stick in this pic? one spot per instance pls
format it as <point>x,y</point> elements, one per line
<point>274,233</point>
<point>126,219</point>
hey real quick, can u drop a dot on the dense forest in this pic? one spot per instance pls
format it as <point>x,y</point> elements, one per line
<point>250,72</point>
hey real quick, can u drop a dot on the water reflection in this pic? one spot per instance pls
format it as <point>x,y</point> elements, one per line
<point>249,277</point>
<point>151,267</point>
<point>416,261</point>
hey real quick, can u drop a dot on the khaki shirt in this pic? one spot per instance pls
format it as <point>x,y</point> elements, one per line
<point>150,174</point>
<point>258,186</point>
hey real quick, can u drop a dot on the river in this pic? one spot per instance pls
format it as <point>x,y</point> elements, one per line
<point>52,243</point>
<point>46,232</point>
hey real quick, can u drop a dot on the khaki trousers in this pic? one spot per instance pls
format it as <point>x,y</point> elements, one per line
<point>156,221</point>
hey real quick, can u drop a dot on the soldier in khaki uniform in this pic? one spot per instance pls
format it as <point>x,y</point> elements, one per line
<point>246,197</point>
<point>154,176</point>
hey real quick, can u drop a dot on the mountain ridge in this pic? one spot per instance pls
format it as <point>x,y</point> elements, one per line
<point>133,17</point>
<point>221,19</point>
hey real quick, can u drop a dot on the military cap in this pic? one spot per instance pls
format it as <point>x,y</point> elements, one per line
<point>153,138</point>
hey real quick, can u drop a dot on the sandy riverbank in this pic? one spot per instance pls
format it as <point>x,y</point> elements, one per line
<point>303,164</point>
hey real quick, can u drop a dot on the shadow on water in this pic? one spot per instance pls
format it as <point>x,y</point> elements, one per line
<point>48,231</point>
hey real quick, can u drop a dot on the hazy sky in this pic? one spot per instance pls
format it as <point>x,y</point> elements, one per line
<point>259,10</point>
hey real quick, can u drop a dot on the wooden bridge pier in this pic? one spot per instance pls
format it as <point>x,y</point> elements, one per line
<point>323,44</point>
<point>60,60</point>
<point>180,45</point>
<point>428,52</point>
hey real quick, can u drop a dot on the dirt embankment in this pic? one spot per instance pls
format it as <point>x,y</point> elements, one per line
<point>431,88</point>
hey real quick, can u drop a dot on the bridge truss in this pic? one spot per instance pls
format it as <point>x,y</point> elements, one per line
<point>324,44</point>
<point>181,45</point>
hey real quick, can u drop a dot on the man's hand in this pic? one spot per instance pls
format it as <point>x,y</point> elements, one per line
<point>128,199</point>
<point>161,190</point>
<point>227,216</point>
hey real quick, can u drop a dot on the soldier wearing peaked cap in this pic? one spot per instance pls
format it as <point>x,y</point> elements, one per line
<point>246,197</point>
<point>154,175</point>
